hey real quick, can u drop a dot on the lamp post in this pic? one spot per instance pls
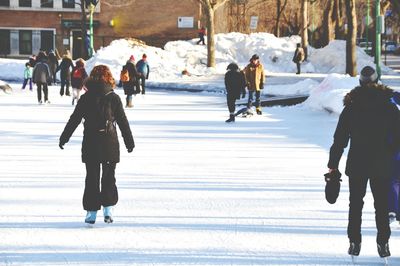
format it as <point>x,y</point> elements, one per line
<point>378,27</point>
<point>91,11</point>
<point>367,26</point>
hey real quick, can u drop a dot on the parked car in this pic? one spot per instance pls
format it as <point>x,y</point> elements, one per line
<point>389,47</point>
<point>364,46</point>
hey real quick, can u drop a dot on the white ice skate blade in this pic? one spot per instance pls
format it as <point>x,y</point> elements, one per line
<point>89,225</point>
<point>354,259</point>
<point>385,261</point>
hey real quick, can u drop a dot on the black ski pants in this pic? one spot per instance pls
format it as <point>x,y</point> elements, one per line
<point>95,195</point>
<point>142,80</point>
<point>380,190</point>
<point>231,101</point>
<point>42,86</point>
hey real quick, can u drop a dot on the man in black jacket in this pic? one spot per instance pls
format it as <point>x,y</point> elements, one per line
<point>235,84</point>
<point>372,124</point>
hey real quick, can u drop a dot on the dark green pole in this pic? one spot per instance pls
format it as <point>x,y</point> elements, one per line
<point>367,26</point>
<point>91,9</point>
<point>378,26</point>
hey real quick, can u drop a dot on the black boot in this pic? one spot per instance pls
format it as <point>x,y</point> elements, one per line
<point>231,119</point>
<point>383,250</point>
<point>354,249</point>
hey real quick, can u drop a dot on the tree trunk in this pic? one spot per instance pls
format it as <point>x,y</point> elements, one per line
<point>278,17</point>
<point>304,27</point>
<point>329,33</point>
<point>84,51</point>
<point>210,37</point>
<point>351,58</point>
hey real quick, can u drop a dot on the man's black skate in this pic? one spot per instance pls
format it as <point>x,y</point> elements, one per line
<point>231,119</point>
<point>354,249</point>
<point>259,112</point>
<point>383,250</point>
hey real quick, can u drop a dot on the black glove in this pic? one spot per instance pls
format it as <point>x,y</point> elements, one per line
<point>61,145</point>
<point>130,150</point>
<point>332,187</point>
<point>243,95</point>
<point>261,86</point>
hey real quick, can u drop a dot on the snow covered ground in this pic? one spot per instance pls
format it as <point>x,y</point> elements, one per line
<point>195,191</point>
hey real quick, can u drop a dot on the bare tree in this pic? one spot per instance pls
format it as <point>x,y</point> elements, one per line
<point>209,7</point>
<point>304,27</point>
<point>351,58</point>
<point>84,51</point>
<point>279,10</point>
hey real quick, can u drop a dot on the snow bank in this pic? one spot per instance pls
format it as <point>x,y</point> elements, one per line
<point>303,87</point>
<point>332,59</point>
<point>328,95</point>
<point>167,64</point>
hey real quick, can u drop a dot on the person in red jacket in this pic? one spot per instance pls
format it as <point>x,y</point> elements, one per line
<point>202,33</point>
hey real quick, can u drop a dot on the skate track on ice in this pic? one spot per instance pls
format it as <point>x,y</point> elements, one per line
<point>195,190</point>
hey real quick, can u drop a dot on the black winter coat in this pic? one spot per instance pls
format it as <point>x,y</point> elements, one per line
<point>372,124</point>
<point>132,86</point>
<point>101,109</point>
<point>65,66</point>
<point>235,83</point>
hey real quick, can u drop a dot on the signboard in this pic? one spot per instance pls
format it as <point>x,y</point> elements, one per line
<point>185,22</point>
<point>253,22</point>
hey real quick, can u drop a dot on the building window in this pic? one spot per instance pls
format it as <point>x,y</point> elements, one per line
<point>25,3</point>
<point>68,3</point>
<point>46,40</point>
<point>25,42</point>
<point>4,42</point>
<point>4,2</point>
<point>46,3</point>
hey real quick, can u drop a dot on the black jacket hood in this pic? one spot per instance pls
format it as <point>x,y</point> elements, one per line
<point>96,87</point>
<point>368,96</point>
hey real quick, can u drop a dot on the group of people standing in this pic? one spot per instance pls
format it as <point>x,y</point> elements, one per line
<point>42,70</point>
<point>133,78</point>
<point>236,81</point>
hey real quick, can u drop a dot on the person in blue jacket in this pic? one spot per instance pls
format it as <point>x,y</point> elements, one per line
<point>143,69</point>
<point>394,190</point>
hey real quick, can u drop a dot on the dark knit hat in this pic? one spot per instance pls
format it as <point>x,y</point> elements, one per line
<point>332,186</point>
<point>254,57</point>
<point>368,75</point>
<point>233,67</point>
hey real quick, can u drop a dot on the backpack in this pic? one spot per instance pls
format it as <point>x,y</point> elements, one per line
<point>77,74</point>
<point>124,75</point>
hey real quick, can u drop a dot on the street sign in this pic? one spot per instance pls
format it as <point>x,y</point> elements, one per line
<point>253,22</point>
<point>185,22</point>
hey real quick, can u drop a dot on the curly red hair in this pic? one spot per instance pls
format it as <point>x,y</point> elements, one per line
<point>103,74</point>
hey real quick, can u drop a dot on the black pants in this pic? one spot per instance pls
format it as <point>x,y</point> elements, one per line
<point>142,80</point>
<point>43,86</point>
<point>64,83</point>
<point>298,67</point>
<point>95,196</point>
<point>380,190</point>
<point>201,40</point>
<point>231,101</point>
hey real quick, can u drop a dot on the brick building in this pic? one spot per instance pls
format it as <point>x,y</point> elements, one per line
<point>26,26</point>
<point>29,25</point>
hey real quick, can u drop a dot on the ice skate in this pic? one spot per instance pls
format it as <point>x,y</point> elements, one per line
<point>354,251</point>
<point>383,251</point>
<point>231,119</point>
<point>107,211</point>
<point>91,217</point>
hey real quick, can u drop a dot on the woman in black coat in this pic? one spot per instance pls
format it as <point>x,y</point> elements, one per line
<point>101,110</point>
<point>235,84</point>
<point>66,67</point>
<point>131,87</point>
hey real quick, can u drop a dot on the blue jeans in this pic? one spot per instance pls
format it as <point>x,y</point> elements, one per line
<point>251,98</point>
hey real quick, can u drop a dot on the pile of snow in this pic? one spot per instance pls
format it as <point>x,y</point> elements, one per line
<point>328,95</point>
<point>303,87</point>
<point>332,59</point>
<point>167,64</point>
